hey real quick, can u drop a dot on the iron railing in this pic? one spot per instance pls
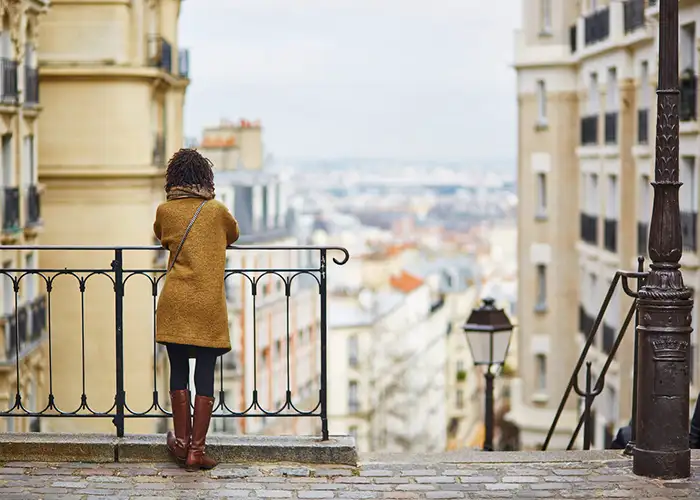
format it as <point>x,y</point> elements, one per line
<point>10,216</point>
<point>642,238</point>
<point>633,15</point>
<point>572,38</point>
<point>611,128</point>
<point>589,228</point>
<point>8,81</point>
<point>33,206</point>
<point>589,130</point>
<point>597,26</point>
<point>31,85</point>
<point>126,286</point>
<point>643,126</point>
<point>688,110</point>
<point>160,53</point>
<point>612,342</point>
<point>689,224</point>
<point>610,235</point>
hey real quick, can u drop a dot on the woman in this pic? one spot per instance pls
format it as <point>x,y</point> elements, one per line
<point>192,319</point>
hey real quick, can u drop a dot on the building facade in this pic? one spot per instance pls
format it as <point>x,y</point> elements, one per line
<point>587,73</point>
<point>22,312</point>
<point>113,82</point>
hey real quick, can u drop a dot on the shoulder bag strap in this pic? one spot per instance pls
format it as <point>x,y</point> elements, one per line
<point>184,236</point>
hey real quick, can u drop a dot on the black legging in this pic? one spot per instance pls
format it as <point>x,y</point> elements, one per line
<point>203,371</point>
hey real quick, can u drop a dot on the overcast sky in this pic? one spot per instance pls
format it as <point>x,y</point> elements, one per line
<point>402,79</point>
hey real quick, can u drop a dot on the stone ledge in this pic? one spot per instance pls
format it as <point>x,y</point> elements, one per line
<point>100,448</point>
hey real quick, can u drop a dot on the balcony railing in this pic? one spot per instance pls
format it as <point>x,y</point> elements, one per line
<point>597,26</point>
<point>589,130</point>
<point>31,85</point>
<point>642,238</point>
<point>10,216</point>
<point>689,97</point>
<point>160,53</point>
<point>611,128</point>
<point>633,15</point>
<point>689,223</point>
<point>589,228</point>
<point>183,63</point>
<point>643,126</point>
<point>610,235</point>
<point>159,150</point>
<point>24,327</point>
<point>118,288</point>
<point>8,81</point>
<point>33,206</point>
<point>572,38</point>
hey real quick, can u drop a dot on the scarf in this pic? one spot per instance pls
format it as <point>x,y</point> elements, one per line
<point>180,192</point>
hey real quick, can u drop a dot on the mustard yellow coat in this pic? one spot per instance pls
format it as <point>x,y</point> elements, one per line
<point>192,304</point>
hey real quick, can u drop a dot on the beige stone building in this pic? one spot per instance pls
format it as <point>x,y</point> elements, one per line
<point>234,145</point>
<point>586,81</point>
<point>113,82</point>
<point>22,324</point>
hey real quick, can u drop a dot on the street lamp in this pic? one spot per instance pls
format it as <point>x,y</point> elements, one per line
<point>488,331</point>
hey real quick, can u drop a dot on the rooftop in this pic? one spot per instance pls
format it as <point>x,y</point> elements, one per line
<point>476,475</point>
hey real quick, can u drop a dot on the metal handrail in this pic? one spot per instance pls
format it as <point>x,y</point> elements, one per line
<point>620,276</point>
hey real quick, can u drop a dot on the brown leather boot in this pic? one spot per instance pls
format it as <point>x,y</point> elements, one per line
<point>178,443</point>
<point>196,459</point>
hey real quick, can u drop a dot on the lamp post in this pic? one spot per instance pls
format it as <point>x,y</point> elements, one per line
<point>665,304</point>
<point>488,331</point>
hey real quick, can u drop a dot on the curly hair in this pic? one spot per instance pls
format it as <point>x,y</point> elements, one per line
<point>188,168</point>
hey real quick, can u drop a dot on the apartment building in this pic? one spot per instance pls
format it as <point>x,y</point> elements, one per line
<point>113,81</point>
<point>234,145</point>
<point>275,338</point>
<point>586,80</point>
<point>22,318</point>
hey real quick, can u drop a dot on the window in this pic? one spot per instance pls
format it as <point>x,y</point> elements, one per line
<point>8,171</point>
<point>644,87</point>
<point>541,206</point>
<point>353,402</point>
<point>592,5</point>
<point>593,97</point>
<point>687,48</point>
<point>644,198</point>
<point>688,196</point>
<point>546,6</point>
<point>541,103</point>
<point>611,202</point>
<point>541,287</point>
<point>592,195</point>
<point>541,365</point>
<point>611,97</point>
<point>459,399</point>
<point>353,351</point>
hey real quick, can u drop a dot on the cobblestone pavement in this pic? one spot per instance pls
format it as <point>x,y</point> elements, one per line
<point>601,479</point>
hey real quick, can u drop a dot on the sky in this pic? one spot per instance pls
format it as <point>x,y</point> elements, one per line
<point>398,79</point>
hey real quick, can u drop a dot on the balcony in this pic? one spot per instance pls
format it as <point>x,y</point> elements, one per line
<point>159,150</point>
<point>633,15</point>
<point>689,97</point>
<point>31,86</point>
<point>10,216</point>
<point>160,53</point>
<point>33,207</point>
<point>689,222</point>
<point>642,238</point>
<point>611,128</point>
<point>643,126</point>
<point>9,93</point>
<point>183,63</point>
<point>610,235</point>
<point>121,405</point>
<point>589,130</point>
<point>597,26</point>
<point>573,33</point>
<point>589,228</point>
